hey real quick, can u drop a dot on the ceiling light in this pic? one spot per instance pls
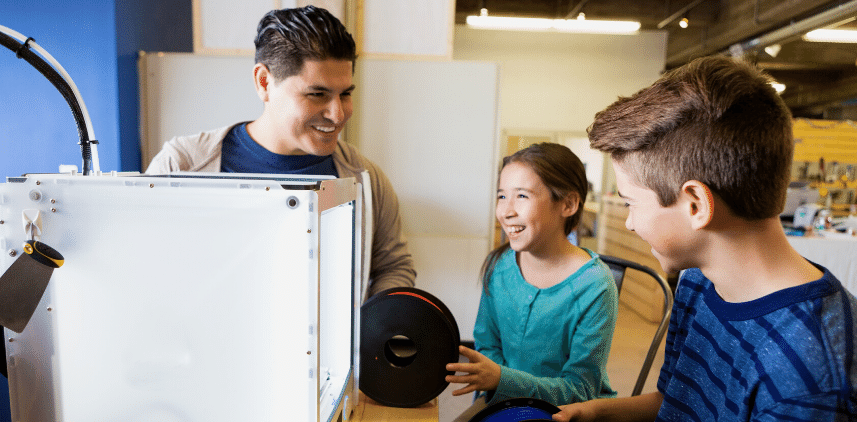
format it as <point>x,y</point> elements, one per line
<point>581,16</point>
<point>683,22</point>
<point>562,25</point>
<point>773,49</point>
<point>483,12</point>
<point>832,35</point>
<point>778,87</point>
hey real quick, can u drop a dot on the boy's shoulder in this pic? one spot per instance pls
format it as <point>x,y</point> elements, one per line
<point>787,352</point>
<point>823,295</point>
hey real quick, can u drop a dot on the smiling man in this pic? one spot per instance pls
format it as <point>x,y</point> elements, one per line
<point>304,77</point>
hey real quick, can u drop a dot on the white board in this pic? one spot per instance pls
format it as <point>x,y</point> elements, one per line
<point>185,93</point>
<point>432,127</point>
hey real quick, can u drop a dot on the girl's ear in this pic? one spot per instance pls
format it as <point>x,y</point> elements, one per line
<point>570,204</point>
<point>700,203</point>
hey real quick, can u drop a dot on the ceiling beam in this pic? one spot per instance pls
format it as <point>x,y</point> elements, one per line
<point>576,9</point>
<point>678,14</point>
<point>726,33</point>
<point>820,96</point>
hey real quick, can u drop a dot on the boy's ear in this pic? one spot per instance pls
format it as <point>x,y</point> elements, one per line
<point>700,202</point>
<point>262,79</point>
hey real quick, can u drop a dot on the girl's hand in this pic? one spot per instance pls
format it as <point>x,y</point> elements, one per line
<point>483,373</point>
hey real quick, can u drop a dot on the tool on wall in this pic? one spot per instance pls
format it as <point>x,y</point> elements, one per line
<point>25,281</point>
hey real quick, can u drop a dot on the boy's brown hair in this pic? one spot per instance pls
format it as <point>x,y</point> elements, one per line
<point>715,120</point>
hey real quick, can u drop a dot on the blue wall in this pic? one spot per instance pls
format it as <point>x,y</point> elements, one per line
<point>96,41</point>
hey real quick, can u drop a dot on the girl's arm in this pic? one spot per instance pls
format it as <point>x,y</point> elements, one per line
<point>486,333</point>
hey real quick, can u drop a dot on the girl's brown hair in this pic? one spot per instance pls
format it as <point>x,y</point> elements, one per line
<point>562,173</point>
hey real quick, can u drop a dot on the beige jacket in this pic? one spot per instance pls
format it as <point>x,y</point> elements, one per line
<point>391,264</point>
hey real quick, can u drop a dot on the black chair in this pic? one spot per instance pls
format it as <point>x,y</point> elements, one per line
<point>618,266</point>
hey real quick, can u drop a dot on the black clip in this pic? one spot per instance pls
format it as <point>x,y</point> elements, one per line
<point>24,46</point>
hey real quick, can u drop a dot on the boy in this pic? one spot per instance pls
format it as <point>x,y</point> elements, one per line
<point>703,159</point>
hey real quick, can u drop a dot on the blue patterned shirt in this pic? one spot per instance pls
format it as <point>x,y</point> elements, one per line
<point>552,344</point>
<point>788,356</point>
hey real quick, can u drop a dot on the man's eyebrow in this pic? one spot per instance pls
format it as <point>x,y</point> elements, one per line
<point>326,89</point>
<point>620,194</point>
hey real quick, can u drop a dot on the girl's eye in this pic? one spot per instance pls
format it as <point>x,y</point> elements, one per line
<point>627,205</point>
<point>501,196</point>
<point>521,195</point>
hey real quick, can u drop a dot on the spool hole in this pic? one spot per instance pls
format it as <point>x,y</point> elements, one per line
<point>400,351</point>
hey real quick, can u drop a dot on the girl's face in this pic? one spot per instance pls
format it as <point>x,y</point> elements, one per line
<point>531,219</point>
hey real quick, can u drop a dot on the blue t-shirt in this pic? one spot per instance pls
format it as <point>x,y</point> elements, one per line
<point>241,154</point>
<point>788,356</point>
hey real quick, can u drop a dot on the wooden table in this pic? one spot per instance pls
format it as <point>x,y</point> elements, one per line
<point>369,410</point>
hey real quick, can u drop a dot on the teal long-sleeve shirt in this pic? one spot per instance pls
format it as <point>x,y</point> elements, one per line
<point>553,343</point>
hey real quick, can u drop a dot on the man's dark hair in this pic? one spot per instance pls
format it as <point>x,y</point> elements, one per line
<point>286,38</point>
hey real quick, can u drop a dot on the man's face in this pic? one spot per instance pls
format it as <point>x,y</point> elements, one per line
<point>665,229</point>
<point>310,109</point>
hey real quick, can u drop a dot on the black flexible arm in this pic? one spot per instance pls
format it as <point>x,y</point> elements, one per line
<point>23,52</point>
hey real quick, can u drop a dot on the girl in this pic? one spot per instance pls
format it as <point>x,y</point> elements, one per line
<point>548,308</point>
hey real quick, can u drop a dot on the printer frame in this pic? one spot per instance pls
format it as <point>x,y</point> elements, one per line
<point>188,297</point>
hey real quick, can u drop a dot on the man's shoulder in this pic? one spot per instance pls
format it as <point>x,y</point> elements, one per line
<point>347,156</point>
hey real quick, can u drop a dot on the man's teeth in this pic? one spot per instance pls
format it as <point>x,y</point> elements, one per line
<point>325,129</point>
<point>516,229</point>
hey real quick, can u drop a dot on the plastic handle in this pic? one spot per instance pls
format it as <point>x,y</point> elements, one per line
<point>44,254</point>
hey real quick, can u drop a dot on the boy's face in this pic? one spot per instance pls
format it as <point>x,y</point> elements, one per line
<point>312,107</point>
<point>665,229</point>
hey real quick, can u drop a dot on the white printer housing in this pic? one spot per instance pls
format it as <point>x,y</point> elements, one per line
<point>189,297</point>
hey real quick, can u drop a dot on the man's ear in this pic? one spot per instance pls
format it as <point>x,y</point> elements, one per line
<point>700,203</point>
<point>262,78</point>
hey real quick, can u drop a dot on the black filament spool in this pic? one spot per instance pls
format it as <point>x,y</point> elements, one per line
<point>407,336</point>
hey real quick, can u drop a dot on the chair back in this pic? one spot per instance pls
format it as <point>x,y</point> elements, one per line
<point>618,267</point>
